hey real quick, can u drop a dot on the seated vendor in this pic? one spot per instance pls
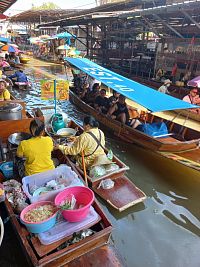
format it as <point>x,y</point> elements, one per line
<point>91,142</point>
<point>19,76</point>
<point>4,93</point>
<point>120,111</point>
<point>101,102</point>
<point>3,63</point>
<point>37,150</point>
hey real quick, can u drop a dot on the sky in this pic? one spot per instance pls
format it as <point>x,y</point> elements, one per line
<point>22,5</point>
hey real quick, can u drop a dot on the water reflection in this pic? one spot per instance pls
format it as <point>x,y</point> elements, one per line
<point>167,223</point>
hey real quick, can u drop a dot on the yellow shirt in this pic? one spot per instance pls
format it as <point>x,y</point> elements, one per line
<point>87,144</point>
<point>37,152</point>
<point>5,95</point>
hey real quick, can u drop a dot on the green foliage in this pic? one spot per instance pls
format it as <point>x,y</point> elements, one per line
<point>46,6</point>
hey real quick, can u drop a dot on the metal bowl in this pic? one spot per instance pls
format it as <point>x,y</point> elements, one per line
<point>66,132</point>
<point>16,138</point>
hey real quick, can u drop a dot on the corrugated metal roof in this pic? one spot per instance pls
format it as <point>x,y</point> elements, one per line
<point>5,4</point>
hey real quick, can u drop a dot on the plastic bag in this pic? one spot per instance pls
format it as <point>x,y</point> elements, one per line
<point>110,155</point>
<point>111,168</point>
<point>106,184</point>
<point>97,171</point>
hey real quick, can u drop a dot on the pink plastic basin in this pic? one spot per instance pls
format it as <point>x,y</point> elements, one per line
<point>84,196</point>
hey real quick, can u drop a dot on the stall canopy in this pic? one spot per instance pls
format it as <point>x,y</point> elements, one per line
<point>147,97</point>
<point>63,35</point>
<point>5,4</point>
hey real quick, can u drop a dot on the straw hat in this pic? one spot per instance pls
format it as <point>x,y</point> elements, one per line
<point>1,80</point>
<point>167,81</point>
<point>101,160</point>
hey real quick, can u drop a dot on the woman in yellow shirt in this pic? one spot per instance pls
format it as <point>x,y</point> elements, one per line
<point>4,93</point>
<point>91,142</point>
<point>37,150</point>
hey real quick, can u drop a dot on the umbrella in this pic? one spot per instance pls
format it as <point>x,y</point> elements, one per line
<point>194,82</point>
<point>63,47</point>
<point>7,47</point>
<point>63,35</point>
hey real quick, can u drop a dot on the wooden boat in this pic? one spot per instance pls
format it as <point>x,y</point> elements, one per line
<point>123,195</point>
<point>24,60</point>
<point>174,142</point>
<point>177,91</point>
<point>91,248</point>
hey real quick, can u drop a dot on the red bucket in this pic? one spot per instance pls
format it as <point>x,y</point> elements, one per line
<point>84,197</point>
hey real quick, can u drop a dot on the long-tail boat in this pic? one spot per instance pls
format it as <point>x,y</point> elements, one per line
<point>179,138</point>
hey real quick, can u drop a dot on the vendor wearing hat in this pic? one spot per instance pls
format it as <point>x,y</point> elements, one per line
<point>91,142</point>
<point>4,93</point>
<point>163,88</point>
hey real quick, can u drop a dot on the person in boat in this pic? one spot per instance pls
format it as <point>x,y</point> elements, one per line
<point>13,59</point>
<point>19,76</point>
<point>3,63</point>
<point>164,88</point>
<point>120,110</point>
<point>4,93</point>
<point>101,103</point>
<point>193,98</point>
<point>36,151</point>
<point>112,100</point>
<point>92,95</point>
<point>91,142</point>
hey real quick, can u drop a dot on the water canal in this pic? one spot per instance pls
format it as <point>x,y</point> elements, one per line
<point>163,231</point>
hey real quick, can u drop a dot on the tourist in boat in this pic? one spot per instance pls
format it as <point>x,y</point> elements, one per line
<point>91,142</point>
<point>113,99</point>
<point>120,110</point>
<point>92,95</point>
<point>164,87</point>
<point>193,98</point>
<point>19,76</point>
<point>36,151</point>
<point>101,103</point>
<point>3,63</point>
<point>4,93</point>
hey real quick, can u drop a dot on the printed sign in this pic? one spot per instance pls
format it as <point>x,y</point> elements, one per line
<point>47,89</point>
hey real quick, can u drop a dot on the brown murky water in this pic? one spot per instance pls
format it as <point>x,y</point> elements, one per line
<point>163,231</point>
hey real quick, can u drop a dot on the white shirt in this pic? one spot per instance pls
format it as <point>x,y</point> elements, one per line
<point>163,89</point>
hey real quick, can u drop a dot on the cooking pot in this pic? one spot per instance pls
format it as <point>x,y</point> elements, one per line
<point>66,132</point>
<point>16,138</point>
<point>10,111</point>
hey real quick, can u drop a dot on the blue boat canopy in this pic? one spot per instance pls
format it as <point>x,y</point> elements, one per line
<point>147,97</point>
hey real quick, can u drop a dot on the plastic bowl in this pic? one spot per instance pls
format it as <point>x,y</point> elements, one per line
<point>66,132</point>
<point>38,227</point>
<point>84,196</point>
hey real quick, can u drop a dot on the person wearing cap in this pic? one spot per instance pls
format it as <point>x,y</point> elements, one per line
<point>193,98</point>
<point>91,142</point>
<point>19,76</point>
<point>4,93</point>
<point>163,88</point>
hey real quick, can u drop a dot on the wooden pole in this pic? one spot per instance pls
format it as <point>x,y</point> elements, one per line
<point>84,169</point>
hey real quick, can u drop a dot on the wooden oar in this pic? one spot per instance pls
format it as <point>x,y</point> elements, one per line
<point>84,169</point>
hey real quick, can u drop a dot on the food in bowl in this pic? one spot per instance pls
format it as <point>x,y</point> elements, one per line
<point>40,213</point>
<point>66,132</point>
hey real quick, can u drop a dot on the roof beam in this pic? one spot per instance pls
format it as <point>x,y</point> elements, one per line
<point>150,26</point>
<point>168,26</point>
<point>190,18</point>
